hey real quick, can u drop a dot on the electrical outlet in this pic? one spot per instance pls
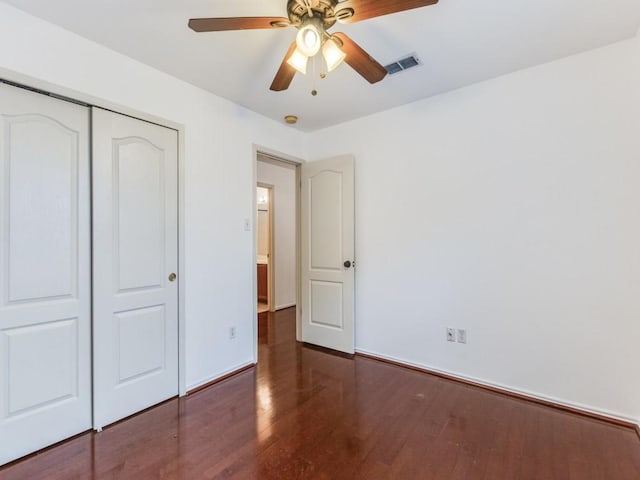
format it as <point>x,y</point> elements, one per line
<point>232,333</point>
<point>451,334</point>
<point>462,335</point>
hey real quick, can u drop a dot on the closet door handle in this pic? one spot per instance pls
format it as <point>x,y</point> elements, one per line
<point>172,277</point>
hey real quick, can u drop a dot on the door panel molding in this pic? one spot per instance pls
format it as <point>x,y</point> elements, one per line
<point>50,166</point>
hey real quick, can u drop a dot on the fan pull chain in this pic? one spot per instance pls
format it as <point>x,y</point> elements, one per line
<point>314,59</point>
<point>323,64</point>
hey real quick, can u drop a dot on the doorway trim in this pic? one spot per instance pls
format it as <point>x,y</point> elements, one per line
<point>275,156</point>
<point>43,87</point>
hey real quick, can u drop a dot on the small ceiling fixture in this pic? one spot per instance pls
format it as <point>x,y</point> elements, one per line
<point>313,19</point>
<point>291,119</point>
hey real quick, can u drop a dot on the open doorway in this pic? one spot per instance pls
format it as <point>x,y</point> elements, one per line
<point>276,238</point>
<point>264,246</point>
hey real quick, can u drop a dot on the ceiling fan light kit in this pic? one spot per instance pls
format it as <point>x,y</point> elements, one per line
<point>313,19</point>
<point>311,37</point>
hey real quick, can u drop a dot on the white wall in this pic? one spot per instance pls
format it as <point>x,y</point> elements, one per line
<point>283,179</point>
<point>219,165</point>
<point>509,208</point>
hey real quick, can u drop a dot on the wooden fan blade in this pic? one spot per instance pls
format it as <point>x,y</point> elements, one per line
<point>360,60</point>
<point>235,23</point>
<point>285,73</point>
<point>365,9</point>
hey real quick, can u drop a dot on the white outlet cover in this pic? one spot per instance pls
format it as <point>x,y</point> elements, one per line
<point>462,335</point>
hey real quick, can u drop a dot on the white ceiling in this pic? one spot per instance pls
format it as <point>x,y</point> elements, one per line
<point>459,42</point>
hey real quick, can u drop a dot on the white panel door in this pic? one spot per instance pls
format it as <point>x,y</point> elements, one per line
<point>45,293</point>
<point>135,259</point>
<point>327,252</point>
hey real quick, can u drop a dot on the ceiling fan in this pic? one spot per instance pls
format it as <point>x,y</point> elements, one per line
<point>313,19</point>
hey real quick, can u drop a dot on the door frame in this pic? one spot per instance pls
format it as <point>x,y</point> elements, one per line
<point>50,89</point>
<point>297,162</point>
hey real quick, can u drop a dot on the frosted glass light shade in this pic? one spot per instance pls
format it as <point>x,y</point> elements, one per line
<point>332,54</point>
<point>308,40</point>
<point>298,60</point>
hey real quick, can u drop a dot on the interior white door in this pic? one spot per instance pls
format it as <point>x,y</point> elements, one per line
<point>327,253</point>
<point>135,260</point>
<point>45,344</point>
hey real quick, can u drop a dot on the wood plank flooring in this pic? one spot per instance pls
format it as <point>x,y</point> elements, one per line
<point>305,414</point>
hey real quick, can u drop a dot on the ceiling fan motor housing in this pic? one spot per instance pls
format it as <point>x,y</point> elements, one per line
<point>302,11</point>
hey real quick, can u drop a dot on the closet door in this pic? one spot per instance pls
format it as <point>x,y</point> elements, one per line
<point>135,261</point>
<point>45,357</point>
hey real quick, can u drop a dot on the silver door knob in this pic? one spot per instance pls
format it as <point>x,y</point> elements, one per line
<point>172,277</point>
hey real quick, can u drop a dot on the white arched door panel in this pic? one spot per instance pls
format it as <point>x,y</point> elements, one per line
<point>45,289</point>
<point>327,253</point>
<point>135,262</point>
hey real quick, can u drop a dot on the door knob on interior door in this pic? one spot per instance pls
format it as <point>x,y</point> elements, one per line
<point>347,264</point>
<point>172,277</point>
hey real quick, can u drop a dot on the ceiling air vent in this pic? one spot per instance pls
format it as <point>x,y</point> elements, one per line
<point>402,64</point>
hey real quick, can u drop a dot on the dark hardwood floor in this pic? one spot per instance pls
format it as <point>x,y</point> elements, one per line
<point>303,413</point>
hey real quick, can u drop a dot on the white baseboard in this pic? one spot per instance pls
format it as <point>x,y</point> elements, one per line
<point>286,305</point>
<point>218,376</point>
<point>508,390</point>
